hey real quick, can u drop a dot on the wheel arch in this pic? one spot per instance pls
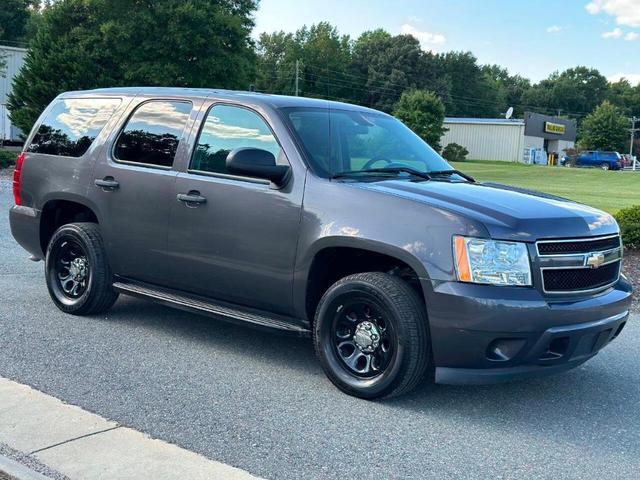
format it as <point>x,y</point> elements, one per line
<point>333,258</point>
<point>61,211</point>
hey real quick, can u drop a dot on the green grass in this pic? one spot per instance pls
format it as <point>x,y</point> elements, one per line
<point>609,191</point>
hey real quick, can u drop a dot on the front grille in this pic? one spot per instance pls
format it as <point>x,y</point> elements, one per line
<point>576,279</point>
<point>578,246</point>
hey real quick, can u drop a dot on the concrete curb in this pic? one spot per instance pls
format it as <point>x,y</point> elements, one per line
<point>19,471</point>
<point>84,446</point>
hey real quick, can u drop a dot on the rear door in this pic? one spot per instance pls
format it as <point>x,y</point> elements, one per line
<point>239,244</point>
<point>134,182</point>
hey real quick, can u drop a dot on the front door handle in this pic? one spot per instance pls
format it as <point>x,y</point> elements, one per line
<point>107,183</point>
<point>192,199</point>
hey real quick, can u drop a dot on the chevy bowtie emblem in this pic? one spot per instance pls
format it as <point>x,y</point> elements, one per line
<point>595,260</point>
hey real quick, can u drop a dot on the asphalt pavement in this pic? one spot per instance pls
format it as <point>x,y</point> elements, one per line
<point>259,401</point>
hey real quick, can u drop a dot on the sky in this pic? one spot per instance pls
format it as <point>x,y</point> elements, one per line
<point>530,37</point>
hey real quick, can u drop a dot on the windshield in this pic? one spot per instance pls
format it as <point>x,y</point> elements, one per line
<point>337,141</point>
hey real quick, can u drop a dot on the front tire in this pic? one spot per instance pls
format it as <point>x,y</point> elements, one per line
<point>604,166</point>
<point>371,336</point>
<point>77,271</point>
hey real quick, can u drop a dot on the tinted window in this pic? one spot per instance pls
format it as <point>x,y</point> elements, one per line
<point>227,128</point>
<point>72,125</point>
<point>152,134</point>
<point>338,141</point>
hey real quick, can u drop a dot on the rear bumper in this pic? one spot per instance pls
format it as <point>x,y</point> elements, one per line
<point>484,334</point>
<point>25,228</point>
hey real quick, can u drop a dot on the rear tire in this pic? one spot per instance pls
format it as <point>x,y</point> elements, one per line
<point>77,270</point>
<point>371,335</point>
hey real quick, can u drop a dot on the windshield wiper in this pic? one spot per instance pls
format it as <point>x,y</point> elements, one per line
<point>391,170</point>
<point>452,172</point>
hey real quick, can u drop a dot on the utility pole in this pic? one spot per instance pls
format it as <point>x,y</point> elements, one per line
<point>633,134</point>
<point>297,76</point>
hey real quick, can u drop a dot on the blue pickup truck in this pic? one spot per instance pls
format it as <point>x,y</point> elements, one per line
<point>603,160</point>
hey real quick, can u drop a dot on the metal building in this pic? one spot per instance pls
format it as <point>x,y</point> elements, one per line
<point>510,140</point>
<point>14,58</point>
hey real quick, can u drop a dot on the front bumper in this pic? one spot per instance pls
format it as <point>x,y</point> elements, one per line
<point>484,334</point>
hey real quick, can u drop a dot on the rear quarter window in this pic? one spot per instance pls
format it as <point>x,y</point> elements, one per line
<point>71,126</point>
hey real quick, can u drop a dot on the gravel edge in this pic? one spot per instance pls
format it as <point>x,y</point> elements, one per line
<point>31,462</point>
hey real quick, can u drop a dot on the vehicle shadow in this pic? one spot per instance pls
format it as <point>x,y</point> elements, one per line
<point>284,349</point>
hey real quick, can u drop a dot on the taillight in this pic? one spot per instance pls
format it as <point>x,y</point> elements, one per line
<point>17,173</point>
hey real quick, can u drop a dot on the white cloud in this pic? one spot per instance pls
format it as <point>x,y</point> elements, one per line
<point>554,29</point>
<point>633,78</point>
<point>427,39</point>
<point>631,36</point>
<point>615,33</point>
<point>626,12</point>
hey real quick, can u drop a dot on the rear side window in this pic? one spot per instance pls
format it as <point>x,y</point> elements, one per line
<point>153,132</point>
<point>72,125</point>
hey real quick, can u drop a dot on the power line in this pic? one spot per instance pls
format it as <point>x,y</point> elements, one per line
<point>387,87</point>
<point>447,99</point>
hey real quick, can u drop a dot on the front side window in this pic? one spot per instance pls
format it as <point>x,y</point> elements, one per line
<point>227,128</point>
<point>153,132</point>
<point>337,141</point>
<point>71,126</point>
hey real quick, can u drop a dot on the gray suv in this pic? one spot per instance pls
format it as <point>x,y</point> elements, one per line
<point>318,218</point>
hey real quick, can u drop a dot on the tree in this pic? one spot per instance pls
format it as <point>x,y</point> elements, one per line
<point>83,44</point>
<point>276,63</point>
<point>14,17</point>
<point>323,55</point>
<point>575,92</point>
<point>422,112</point>
<point>605,129</point>
<point>511,88</point>
<point>471,92</point>
<point>389,65</point>
<point>625,97</point>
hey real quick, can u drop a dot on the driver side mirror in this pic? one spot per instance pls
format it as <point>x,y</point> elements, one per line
<point>255,162</point>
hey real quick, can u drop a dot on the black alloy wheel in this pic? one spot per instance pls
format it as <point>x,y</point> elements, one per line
<point>362,339</point>
<point>371,335</point>
<point>71,269</point>
<point>77,271</point>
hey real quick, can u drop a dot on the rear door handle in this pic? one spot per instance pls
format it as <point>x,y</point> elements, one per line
<point>106,183</point>
<point>192,198</point>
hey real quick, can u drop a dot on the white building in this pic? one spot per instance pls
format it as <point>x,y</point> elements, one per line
<point>510,140</point>
<point>14,58</point>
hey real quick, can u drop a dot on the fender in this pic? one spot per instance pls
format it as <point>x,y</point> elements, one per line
<point>305,261</point>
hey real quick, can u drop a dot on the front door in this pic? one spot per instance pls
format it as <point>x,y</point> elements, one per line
<point>236,241</point>
<point>133,188</point>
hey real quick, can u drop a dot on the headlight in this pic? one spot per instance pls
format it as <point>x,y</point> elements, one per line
<point>491,261</point>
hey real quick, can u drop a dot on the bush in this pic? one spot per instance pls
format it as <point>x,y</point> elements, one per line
<point>7,158</point>
<point>629,221</point>
<point>455,153</point>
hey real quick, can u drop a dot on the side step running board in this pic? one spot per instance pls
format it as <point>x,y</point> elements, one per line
<point>205,306</point>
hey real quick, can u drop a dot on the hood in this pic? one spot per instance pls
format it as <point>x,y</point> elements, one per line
<point>508,213</point>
